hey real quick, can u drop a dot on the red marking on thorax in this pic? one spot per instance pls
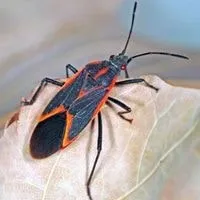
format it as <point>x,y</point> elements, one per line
<point>101,72</point>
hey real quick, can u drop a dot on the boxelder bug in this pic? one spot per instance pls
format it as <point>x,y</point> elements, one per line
<point>80,100</point>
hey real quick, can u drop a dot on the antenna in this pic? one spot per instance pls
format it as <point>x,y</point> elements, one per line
<point>132,22</point>
<point>157,53</point>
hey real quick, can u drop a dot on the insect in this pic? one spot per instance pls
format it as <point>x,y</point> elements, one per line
<point>80,100</point>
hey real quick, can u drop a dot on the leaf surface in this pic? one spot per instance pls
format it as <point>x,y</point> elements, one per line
<point>156,157</point>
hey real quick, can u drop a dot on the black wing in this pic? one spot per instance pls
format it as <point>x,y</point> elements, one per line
<point>47,136</point>
<point>67,94</point>
<point>83,110</point>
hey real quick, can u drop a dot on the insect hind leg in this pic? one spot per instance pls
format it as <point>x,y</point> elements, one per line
<point>43,83</point>
<point>99,147</point>
<point>138,80</point>
<point>126,108</point>
<point>72,68</point>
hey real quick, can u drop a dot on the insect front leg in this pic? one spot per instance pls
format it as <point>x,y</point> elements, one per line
<point>138,80</point>
<point>72,68</point>
<point>43,83</point>
<point>99,147</point>
<point>126,73</point>
<point>126,108</point>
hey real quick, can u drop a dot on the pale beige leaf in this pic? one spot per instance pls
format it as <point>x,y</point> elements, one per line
<point>157,157</point>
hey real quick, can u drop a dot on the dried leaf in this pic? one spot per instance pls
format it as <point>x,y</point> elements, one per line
<point>156,157</point>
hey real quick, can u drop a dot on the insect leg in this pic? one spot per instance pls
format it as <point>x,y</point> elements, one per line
<point>138,80</point>
<point>99,147</point>
<point>72,68</point>
<point>42,84</point>
<point>126,108</point>
<point>126,73</point>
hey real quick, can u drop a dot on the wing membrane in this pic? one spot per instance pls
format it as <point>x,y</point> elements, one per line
<point>47,136</point>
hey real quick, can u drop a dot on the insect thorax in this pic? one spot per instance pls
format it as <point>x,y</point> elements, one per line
<point>102,72</point>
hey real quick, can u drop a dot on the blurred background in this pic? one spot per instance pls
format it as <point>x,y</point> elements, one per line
<point>38,38</point>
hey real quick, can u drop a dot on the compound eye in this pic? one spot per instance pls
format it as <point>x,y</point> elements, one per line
<point>111,57</point>
<point>123,67</point>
